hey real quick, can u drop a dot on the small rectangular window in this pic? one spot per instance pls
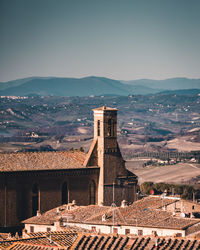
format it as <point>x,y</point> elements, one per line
<point>115,230</point>
<point>127,231</point>
<point>109,127</point>
<point>140,232</point>
<point>98,128</point>
<point>31,229</point>
<point>48,229</point>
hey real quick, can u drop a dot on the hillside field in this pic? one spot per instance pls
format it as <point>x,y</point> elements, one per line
<point>181,173</point>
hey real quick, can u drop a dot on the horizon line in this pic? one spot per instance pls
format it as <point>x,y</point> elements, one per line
<point>89,76</point>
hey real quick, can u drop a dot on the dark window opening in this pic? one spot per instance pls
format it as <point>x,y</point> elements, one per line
<point>31,229</point>
<point>140,232</point>
<point>35,199</point>
<point>64,193</point>
<point>127,231</point>
<point>98,128</point>
<point>193,207</point>
<point>113,128</point>
<point>48,229</point>
<point>92,193</point>
<point>109,127</point>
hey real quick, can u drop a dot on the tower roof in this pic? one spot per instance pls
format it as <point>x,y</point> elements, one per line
<point>105,108</point>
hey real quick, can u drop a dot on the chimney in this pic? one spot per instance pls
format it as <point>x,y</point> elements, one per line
<point>104,217</point>
<point>73,203</point>
<point>17,235</point>
<point>124,203</point>
<point>38,213</point>
<point>57,210</point>
<point>101,204</point>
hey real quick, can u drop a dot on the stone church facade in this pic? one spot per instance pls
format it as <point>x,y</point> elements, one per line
<point>40,181</point>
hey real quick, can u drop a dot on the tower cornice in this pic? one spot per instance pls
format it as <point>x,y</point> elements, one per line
<point>105,108</point>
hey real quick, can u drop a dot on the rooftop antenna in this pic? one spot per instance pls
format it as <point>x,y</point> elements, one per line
<point>113,205</point>
<point>193,197</point>
<point>113,192</point>
<point>50,239</point>
<point>114,208</point>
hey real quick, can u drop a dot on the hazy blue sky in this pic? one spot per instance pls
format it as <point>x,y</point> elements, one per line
<point>121,39</point>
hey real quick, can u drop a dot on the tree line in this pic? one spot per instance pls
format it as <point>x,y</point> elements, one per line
<point>184,191</point>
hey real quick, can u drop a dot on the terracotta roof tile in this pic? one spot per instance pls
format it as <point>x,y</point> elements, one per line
<point>79,213</point>
<point>130,215</point>
<point>4,236</point>
<point>133,242</point>
<point>65,240</point>
<point>43,240</point>
<point>152,202</point>
<point>28,161</point>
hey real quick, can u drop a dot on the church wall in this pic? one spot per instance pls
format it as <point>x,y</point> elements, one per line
<point>19,192</point>
<point>78,187</point>
<point>2,200</point>
<point>113,167</point>
<point>50,192</point>
<point>8,201</point>
<point>120,193</point>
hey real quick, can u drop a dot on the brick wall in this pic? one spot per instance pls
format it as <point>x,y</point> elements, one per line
<point>19,191</point>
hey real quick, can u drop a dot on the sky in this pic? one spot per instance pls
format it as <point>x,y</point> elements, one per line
<point>119,39</point>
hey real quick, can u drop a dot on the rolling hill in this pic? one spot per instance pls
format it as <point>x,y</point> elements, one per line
<point>167,84</point>
<point>47,86</point>
<point>68,87</point>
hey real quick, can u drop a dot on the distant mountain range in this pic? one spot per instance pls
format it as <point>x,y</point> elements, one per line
<point>96,86</point>
<point>167,84</point>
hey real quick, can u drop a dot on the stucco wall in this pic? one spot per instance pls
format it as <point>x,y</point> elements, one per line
<point>133,230</point>
<point>39,228</point>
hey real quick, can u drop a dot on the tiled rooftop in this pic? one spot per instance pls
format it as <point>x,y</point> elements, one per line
<point>79,213</point>
<point>144,218</point>
<point>28,161</point>
<point>152,202</point>
<point>47,240</point>
<point>113,242</point>
<point>4,236</point>
<point>64,240</point>
<point>31,246</point>
<point>138,214</point>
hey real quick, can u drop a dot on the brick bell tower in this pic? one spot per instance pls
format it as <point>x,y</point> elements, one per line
<point>105,153</point>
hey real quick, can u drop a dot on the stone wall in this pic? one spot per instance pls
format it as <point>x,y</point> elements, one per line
<point>18,205</point>
<point>120,193</point>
